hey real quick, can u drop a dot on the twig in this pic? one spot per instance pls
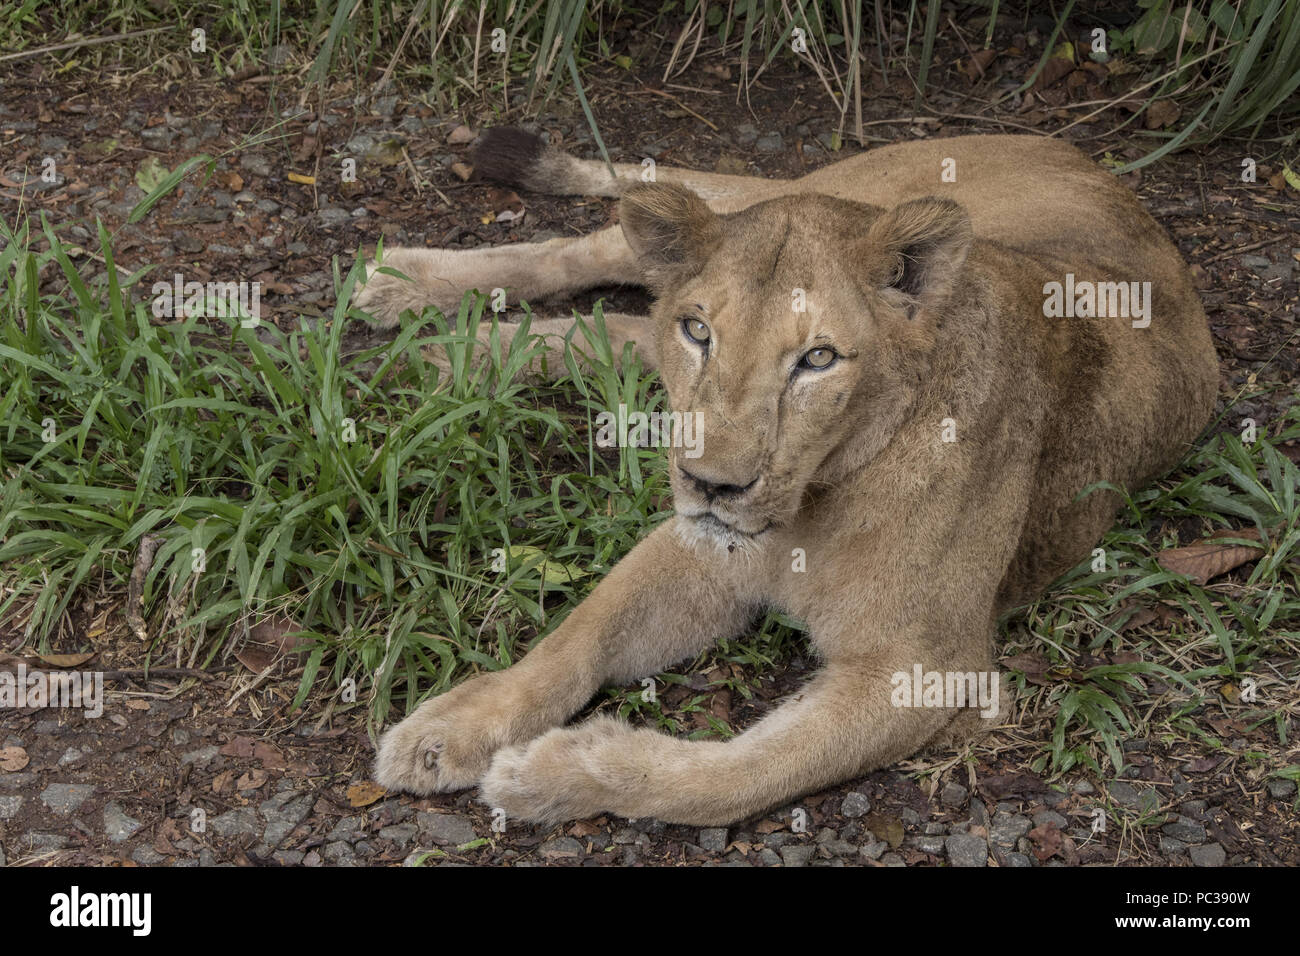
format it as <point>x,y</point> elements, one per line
<point>669,96</point>
<point>135,587</point>
<point>1247,248</point>
<point>86,41</point>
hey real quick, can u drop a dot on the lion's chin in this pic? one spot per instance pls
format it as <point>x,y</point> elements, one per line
<point>708,530</point>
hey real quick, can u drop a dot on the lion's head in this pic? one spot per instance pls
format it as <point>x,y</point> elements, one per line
<point>796,330</point>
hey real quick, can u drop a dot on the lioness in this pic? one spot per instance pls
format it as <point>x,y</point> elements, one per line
<point>894,438</point>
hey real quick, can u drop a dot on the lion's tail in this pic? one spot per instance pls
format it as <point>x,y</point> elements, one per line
<point>523,160</point>
<point>515,157</point>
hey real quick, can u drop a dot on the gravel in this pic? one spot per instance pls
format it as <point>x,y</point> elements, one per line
<point>65,798</point>
<point>1185,829</point>
<point>1211,854</point>
<point>855,805</point>
<point>954,795</point>
<point>713,839</point>
<point>447,829</point>
<point>797,855</point>
<point>117,825</point>
<point>967,850</point>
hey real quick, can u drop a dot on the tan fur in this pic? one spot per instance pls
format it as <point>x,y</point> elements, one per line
<point>932,294</point>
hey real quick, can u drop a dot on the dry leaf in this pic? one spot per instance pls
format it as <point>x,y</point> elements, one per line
<point>137,705</point>
<point>65,660</point>
<point>1209,558</point>
<point>1162,113</point>
<point>13,759</point>
<point>364,794</point>
<point>252,780</point>
<point>460,136</point>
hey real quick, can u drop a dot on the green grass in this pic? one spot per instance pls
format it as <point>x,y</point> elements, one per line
<point>363,496</point>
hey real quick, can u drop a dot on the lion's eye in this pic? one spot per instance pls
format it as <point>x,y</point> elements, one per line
<point>818,358</point>
<point>696,330</point>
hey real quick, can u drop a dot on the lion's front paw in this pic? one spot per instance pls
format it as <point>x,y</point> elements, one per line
<point>447,743</point>
<point>565,774</point>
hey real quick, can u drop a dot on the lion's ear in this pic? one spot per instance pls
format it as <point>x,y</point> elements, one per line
<point>670,229</point>
<point>922,244</point>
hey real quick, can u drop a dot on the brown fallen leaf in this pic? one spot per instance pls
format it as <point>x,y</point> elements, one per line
<point>1209,558</point>
<point>885,827</point>
<point>137,705</point>
<point>167,832</point>
<point>252,780</point>
<point>460,136</point>
<point>65,660</point>
<point>1034,666</point>
<point>1162,113</point>
<point>975,64</point>
<point>13,759</point>
<point>1047,841</point>
<point>269,755</point>
<point>365,793</point>
<point>239,747</point>
<point>1002,786</point>
<point>769,826</point>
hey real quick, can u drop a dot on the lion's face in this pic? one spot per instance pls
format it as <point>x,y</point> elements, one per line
<point>787,331</point>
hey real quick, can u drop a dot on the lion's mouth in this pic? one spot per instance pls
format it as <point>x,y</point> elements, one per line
<point>708,521</point>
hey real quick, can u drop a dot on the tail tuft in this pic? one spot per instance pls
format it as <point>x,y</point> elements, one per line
<point>509,155</point>
<point>515,157</point>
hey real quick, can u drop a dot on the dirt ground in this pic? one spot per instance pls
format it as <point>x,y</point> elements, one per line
<point>198,769</point>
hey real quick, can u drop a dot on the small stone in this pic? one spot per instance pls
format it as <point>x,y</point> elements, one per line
<point>797,855</point>
<point>1211,854</point>
<point>233,823</point>
<point>203,754</point>
<point>1281,789</point>
<point>1185,829</point>
<point>562,848</point>
<point>1125,794</point>
<point>929,844</point>
<point>768,857</point>
<point>1018,860</point>
<point>71,755</point>
<point>347,830</point>
<point>117,825</point>
<point>1084,787</point>
<point>147,856</point>
<point>855,805</point>
<point>873,851</point>
<point>340,853</point>
<point>446,829</point>
<point>64,798</point>
<point>769,143</point>
<point>1006,829</point>
<point>910,817</point>
<point>893,859</point>
<point>954,795</point>
<point>967,850</point>
<point>1171,847</point>
<point>625,835</point>
<point>932,829</point>
<point>979,814</point>
<point>9,807</point>
<point>1050,817</point>
<point>713,839</point>
<point>401,833</point>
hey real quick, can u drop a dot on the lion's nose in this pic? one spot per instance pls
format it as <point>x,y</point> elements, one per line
<point>711,487</point>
